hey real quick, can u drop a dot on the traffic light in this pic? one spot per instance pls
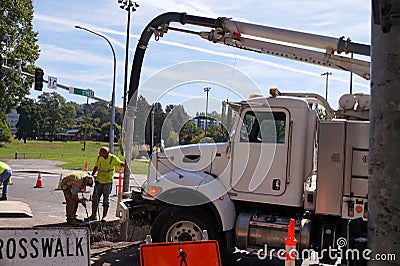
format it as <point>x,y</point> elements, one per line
<point>39,79</point>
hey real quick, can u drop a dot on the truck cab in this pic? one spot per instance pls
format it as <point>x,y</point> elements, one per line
<point>272,150</point>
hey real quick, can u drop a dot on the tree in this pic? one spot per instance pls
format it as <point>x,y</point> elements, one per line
<point>16,29</point>
<point>5,132</point>
<point>172,139</point>
<point>56,115</point>
<point>166,131</point>
<point>322,114</point>
<point>188,132</point>
<point>217,133</point>
<point>177,115</point>
<point>118,116</point>
<point>105,131</point>
<point>100,110</point>
<point>88,127</point>
<point>79,108</point>
<point>142,121</point>
<point>27,125</point>
<point>159,117</point>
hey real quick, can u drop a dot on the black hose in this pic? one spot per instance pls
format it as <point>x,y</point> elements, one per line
<point>141,47</point>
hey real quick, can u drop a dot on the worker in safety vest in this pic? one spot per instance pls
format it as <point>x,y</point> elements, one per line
<point>71,185</point>
<point>5,175</point>
<point>105,168</point>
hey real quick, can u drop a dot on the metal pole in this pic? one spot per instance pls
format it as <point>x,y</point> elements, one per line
<point>151,129</point>
<point>86,124</point>
<point>125,185</point>
<point>112,122</point>
<point>384,156</point>
<point>351,77</point>
<point>130,7</point>
<point>206,90</point>
<point>126,56</point>
<point>326,83</point>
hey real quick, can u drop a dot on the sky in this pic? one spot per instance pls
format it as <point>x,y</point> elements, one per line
<point>80,59</point>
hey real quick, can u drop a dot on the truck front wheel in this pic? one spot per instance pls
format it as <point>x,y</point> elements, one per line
<point>176,224</point>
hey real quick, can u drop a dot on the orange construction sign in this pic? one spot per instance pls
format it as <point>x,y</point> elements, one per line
<point>189,253</point>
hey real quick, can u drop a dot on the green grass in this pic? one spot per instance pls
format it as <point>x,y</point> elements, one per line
<point>71,153</point>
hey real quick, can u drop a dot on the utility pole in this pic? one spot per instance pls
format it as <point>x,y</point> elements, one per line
<point>326,83</point>
<point>384,183</point>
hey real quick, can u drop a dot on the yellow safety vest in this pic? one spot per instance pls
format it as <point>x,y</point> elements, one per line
<point>3,167</point>
<point>75,178</point>
<point>106,168</point>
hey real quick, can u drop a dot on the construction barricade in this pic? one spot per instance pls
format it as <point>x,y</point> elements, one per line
<point>188,253</point>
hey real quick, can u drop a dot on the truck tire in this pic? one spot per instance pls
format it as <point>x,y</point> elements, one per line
<point>176,224</point>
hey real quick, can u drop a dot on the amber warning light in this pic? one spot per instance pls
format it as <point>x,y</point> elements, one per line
<point>153,191</point>
<point>274,92</point>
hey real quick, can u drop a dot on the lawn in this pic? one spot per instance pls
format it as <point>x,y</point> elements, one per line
<point>71,153</point>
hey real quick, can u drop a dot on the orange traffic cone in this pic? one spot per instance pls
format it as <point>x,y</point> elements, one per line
<point>290,245</point>
<point>39,183</point>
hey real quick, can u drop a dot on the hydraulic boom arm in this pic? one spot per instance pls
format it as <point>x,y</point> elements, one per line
<point>254,37</point>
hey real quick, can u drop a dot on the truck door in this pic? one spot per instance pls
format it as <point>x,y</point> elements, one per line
<point>260,152</point>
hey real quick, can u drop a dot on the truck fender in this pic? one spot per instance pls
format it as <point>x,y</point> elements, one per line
<point>215,190</point>
<point>186,188</point>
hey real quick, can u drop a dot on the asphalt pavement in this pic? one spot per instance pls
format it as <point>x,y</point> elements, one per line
<point>47,203</point>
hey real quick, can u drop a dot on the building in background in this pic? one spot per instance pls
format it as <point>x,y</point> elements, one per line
<point>12,119</point>
<point>200,121</point>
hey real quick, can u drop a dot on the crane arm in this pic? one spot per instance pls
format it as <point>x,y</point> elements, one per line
<point>326,59</point>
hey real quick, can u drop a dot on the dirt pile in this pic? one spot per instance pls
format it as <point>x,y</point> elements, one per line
<point>106,247</point>
<point>111,231</point>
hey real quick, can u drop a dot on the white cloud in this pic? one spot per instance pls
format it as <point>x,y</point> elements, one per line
<point>54,53</point>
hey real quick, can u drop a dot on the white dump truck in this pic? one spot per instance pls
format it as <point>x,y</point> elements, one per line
<point>281,160</point>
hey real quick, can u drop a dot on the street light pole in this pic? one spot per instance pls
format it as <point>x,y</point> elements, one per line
<point>86,123</point>
<point>206,90</point>
<point>129,6</point>
<point>112,122</point>
<point>326,83</point>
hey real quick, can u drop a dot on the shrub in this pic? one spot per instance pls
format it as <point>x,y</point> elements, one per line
<point>5,132</point>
